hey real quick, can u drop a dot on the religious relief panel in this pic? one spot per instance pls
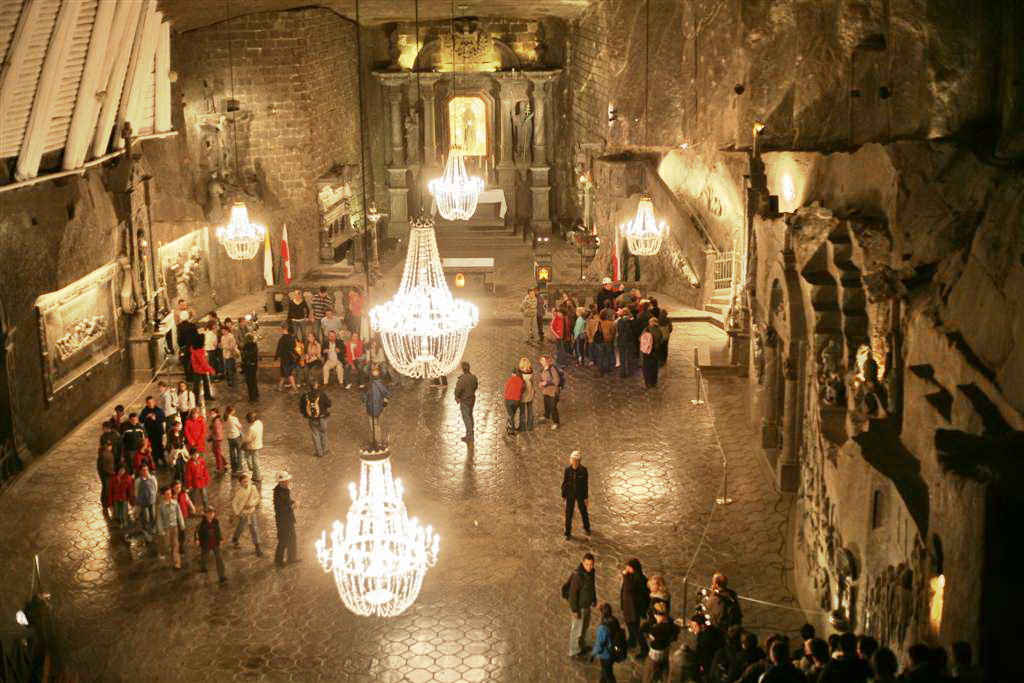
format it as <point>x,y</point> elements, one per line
<point>185,272</point>
<point>78,328</point>
<point>467,125</point>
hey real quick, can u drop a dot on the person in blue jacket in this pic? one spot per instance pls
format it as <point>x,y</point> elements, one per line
<point>602,649</point>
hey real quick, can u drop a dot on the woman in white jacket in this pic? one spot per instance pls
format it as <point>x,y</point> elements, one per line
<point>252,444</point>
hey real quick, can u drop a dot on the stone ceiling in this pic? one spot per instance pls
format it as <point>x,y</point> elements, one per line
<point>186,15</point>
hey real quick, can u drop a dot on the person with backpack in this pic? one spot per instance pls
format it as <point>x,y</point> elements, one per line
<point>581,592</point>
<point>634,599</point>
<point>315,406</point>
<point>723,605</point>
<point>250,366</point>
<point>552,380</point>
<point>609,643</point>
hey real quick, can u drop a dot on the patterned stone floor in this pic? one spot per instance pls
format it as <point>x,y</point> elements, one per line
<point>490,609</point>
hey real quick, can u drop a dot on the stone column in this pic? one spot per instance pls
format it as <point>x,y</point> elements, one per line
<point>540,80</point>
<point>397,173</point>
<point>427,83</point>
<point>513,88</point>
<point>789,457</point>
<point>772,399</point>
<point>394,96</point>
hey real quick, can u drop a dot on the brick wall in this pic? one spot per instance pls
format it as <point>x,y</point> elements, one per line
<point>589,78</point>
<point>295,81</point>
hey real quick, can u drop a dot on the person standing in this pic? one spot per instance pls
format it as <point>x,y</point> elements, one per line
<point>354,315</point>
<point>228,347</point>
<point>120,495</point>
<point>250,366</point>
<point>551,382</point>
<point>354,362</point>
<point>244,504</point>
<point>605,338</point>
<point>177,447</point>
<point>526,400</point>
<point>332,355</point>
<point>660,635</point>
<point>634,600</point>
<point>169,522</point>
<point>188,509</point>
<point>202,371</point>
<point>211,345</point>
<point>186,401</point>
<point>625,342</point>
<point>582,595</point>
<point>375,400</point>
<point>133,436</point>
<point>252,444</point>
<point>579,336</point>
<point>299,315</point>
<point>603,642</point>
<point>315,406</point>
<point>606,293</point>
<point>195,432</point>
<point>153,420</point>
<point>665,327</point>
<point>145,498</point>
<point>168,403</point>
<point>197,478</point>
<point>330,323</point>
<point>528,309</point>
<point>465,396</point>
<point>311,361</point>
<point>539,314</point>
<point>287,358</point>
<point>723,605</point>
<point>233,432</point>
<point>650,340</point>
<point>284,517</point>
<point>111,436</point>
<point>216,429</point>
<point>514,387</point>
<point>323,302</point>
<point>575,492</point>
<point>209,540</point>
<point>106,468</point>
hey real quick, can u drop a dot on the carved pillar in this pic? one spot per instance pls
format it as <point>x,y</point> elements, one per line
<point>397,173</point>
<point>394,96</point>
<point>789,458</point>
<point>540,171</point>
<point>427,84</point>
<point>513,88</point>
<point>772,401</point>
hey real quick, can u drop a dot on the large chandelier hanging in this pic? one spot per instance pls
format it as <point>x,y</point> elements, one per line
<point>241,237</point>
<point>423,328</point>
<point>643,233</point>
<point>379,556</point>
<point>456,192</point>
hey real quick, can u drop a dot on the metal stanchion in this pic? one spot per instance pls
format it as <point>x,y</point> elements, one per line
<point>724,499</point>
<point>696,373</point>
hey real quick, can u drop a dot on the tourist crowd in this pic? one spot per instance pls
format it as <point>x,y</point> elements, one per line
<point>718,649</point>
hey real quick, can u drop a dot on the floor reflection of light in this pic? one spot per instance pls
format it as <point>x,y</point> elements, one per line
<point>639,481</point>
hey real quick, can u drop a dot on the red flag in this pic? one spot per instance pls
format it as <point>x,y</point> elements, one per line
<point>286,259</point>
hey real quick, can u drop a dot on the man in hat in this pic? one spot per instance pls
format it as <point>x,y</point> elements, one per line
<point>606,293</point>
<point>284,516</point>
<point>575,491</point>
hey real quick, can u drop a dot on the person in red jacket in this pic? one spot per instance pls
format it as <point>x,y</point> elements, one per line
<point>144,457</point>
<point>514,387</point>
<point>217,439</point>
<point>121,494</point>
<point>195,431</point>
<point>187,508</point>
<point>354,361</point>
<point>197,477</point>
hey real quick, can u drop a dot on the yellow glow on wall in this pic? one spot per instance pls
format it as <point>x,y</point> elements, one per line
<point>467,121</point>
<point>788,190</point>
<point>460,280</point>
<point>938,586</point>
<point>543,273</point>
<point>407,56</point>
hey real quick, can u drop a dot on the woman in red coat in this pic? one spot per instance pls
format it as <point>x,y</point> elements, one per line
<point>195,431</point>
<point>197,477</point>
<point>514,387</point>
<point>121,494</point>
<point>144,457</point>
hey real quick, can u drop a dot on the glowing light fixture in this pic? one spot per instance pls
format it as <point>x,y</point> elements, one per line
<point>241,237</point>
<point>460,280</point>
<point>938,587</point>
<point>644,234</point>
<point>456,192</point>
<point>379,556</point>
<point>423,328</point>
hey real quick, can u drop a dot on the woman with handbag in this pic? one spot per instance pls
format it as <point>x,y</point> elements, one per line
<point>310,364</point>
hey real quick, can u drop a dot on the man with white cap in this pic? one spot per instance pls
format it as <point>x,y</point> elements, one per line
<point>575,491</point>
<point>606,293</point>
<point>284,516</point>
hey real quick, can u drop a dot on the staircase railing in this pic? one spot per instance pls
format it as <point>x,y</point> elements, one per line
<point>724,263</point>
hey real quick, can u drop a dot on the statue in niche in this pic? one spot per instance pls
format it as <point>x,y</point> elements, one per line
<point>868,394</point>
<point>831,388</point>
<point>737,319</point>
<point>412,135</point>
<point>213,207</point>
<point>522,132</point>
<point>759,355</point>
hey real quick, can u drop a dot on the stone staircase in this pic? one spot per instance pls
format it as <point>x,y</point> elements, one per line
<point>719,302</point>
<point>482,236</point>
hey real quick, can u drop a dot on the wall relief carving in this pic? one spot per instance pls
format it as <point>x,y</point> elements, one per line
<point>185,271</point>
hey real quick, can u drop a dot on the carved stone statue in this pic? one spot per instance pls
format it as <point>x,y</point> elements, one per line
<point>759,355</point>
<point>214,206</point>
<point>522,132</point>
<point>830,374</point>
<point>412,135</point>
<point>737,319</point>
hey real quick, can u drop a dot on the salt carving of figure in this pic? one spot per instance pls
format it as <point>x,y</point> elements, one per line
<point>412,135</point>
<point>522,124</point>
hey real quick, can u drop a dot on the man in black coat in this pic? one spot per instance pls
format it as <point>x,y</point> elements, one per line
<point>709,641</point>
<point>284,516</point>
<point>465,396</point>
<point>723,604</point>
<point>582,597</point>
<point>134,436</point>
<point>575,491</point>
<point>153,420</point>
<point>634,600</point>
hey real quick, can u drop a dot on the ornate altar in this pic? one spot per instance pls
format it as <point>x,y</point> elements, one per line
<point>184,271</point>
<point>78,328</point>
<point>336,203</point>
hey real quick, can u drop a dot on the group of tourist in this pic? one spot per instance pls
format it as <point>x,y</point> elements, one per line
<point>621,331</point>
<point>722,651</point>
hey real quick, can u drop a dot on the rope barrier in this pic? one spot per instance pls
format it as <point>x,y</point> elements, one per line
<point>778,606</point>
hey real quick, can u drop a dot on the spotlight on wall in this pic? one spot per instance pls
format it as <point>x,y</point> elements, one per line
<point>758,127</point>
<point>685,145</point>
<point>460,280</point>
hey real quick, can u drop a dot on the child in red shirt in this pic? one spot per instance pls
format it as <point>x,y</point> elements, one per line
<point>121,494</point>
<point>195,431</point>
<point>197,477</point>
<point>144,456</point>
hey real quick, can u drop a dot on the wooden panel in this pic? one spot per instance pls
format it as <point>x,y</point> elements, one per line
<point>9,12</point>
<point>71,76</point>
<point>19,87</point>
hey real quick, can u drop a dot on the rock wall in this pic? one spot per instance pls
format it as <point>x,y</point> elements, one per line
<point>289,108</point>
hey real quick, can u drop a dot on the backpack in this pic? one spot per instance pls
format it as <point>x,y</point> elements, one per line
<point>565,587</point>
<point>598,335</point>
<point>618,637</point>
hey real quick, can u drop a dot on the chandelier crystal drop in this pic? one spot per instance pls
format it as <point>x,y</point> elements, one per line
<point>241,237</point>
<point>379,556</point>
<point>456,192</point>
<point>643,233</point>
<point>423,328</point>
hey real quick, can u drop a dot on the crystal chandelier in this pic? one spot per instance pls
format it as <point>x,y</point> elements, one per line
<point>643,234</point>
<point>241,238</point>
<point>379,556</point>
<point>456,192</point>
<point>424,328</point>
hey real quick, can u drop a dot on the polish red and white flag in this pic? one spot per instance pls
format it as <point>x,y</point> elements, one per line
<point>286,257</point>
<point>616,259</point>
